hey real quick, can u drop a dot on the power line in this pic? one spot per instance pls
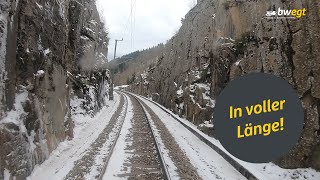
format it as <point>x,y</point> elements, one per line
<point>129,25</point>
<point>134,22</point>
<point>131,15</point>
<point>132,18</point>
<point>125,25</point>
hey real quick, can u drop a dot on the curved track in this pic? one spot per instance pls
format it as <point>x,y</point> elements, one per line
<point>146,159</point>
<point>244,171</point>
<point>112,146</point>
<point>163,164</point>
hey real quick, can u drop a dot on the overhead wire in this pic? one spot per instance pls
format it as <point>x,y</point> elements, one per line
<point>129,25</point>
<point>125,25</point>
<point>126,30</point>
<point>134,23</point>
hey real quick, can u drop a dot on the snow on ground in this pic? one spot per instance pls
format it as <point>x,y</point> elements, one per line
<point>263,171</point>
<point>165,152</point>
<point>209,164</point>
<point>121,156</point>
<point>87,130</point>
<point>105,150</point>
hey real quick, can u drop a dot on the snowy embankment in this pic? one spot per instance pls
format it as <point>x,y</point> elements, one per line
<point>86,131</point>
<point>205,158</point>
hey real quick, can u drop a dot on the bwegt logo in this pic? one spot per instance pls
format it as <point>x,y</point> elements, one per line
<point>285,13</point>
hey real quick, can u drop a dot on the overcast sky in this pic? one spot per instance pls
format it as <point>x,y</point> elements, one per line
<point>155,21</point>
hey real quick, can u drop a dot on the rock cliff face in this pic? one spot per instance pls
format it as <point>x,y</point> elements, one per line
<point>50,51</point>
<point>221,40</point>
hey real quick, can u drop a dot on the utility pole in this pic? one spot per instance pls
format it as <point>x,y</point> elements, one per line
<point>115,47</point>
<point>115,52</point>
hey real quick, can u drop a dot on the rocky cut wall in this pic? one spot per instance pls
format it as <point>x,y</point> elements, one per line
<point>43,50</point>
<point>221,40</point>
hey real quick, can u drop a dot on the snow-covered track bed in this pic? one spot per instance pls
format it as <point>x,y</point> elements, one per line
<point>164,168</point>
<point>240,168</point>
<point>93,163</point>
<point>107,159</point>
<point>146,150</point>
<point>146,161</point>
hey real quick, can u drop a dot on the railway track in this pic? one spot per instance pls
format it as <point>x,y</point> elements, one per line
<point>245,172</point>
<point>141,146</point>
<point>146,161</point>
<point>107,159</point>
<point>162,161</point>
<point>101,147</point>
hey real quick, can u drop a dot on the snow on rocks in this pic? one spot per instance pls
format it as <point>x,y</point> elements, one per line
<point>144,77</point>
<point>3,43</point>
<point>196,74</point>
<point>46,52</point>
<point>16,115</point>
<point>206,124</point>
<point>85,38</point>
<point>89,30</point>
<point>180,92</point>
<point>204,89</point>
<point>40,73</point>
<point>175,84</point>
<point>237,63</point>
<point>39,6</point>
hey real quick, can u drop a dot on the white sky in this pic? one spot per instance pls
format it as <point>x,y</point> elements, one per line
<point>155,21</point>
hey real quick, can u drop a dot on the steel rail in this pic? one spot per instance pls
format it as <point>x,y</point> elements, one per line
<point>162,161</point>
<point>241,169</point>
<point>104,168</point>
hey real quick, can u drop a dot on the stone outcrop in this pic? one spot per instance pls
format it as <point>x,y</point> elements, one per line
<point>50,51</point>
<point>223,39</point>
